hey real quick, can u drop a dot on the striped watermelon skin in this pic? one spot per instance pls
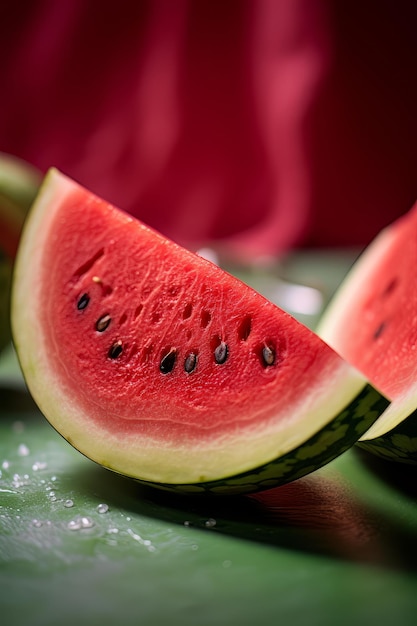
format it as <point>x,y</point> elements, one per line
<point>398,444</point>
<point>326,445</point>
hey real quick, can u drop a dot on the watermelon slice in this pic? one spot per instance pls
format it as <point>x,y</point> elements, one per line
<point>372,322</point>
<point>159,365</point>
<point>19,182</point>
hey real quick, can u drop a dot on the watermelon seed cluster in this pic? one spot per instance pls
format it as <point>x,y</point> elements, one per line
<point>168,360</point>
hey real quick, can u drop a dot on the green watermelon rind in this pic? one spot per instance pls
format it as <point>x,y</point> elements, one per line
<point>399,444</point>
<point>19,182</point>
<point>5,286</point>
<point>327,444</point>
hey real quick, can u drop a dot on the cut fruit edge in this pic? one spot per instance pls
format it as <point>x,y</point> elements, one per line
<point>329,325</point>
<point>324,446</point>
<point>167,461</point>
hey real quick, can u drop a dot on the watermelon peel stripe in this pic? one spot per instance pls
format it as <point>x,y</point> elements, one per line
<point>320,449</point>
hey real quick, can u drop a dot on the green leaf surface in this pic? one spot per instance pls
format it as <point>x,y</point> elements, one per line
<point>80,545</point>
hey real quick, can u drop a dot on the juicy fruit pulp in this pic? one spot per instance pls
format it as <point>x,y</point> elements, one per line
<point>371,322</point>
<point>159,365</point>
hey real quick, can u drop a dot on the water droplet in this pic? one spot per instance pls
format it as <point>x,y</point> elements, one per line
<point>39,465</point>
<point>23,450</point>
<point>210,523</point>
<point>68,504</point>
<point>102,508</point>
<point>51,494</point>
<point>87,522</point>
<point>74,524</point>
<point>37,523</point>
<point>113,531</point>
<point>194,547</point>
<point>80,522</point>
<point>19,481</point>
<point>187,523</point>
<point>5,465</point>
<point>134,535</point>
<point>53,478</point>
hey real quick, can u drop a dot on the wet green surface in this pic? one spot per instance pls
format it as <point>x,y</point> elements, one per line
<point>80,545</point>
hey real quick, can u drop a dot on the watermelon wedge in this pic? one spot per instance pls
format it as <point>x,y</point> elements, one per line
<point>19,182</point>
<point>372,322</point>
<point>159,365</point>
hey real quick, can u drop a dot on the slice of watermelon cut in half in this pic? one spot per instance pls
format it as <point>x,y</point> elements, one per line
<point>372,322</point>
<point>159,365</point>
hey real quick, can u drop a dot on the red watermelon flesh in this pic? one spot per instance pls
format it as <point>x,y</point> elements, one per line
<point>156,363</point>
<point>372,319</point>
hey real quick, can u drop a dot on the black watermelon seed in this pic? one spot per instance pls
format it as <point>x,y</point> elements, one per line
<point>116,350</point>
<point>190,362</point>
<point>103,323</point>
<point>221,353</point>
<point>268,355</point>
<point>168,361</point>
<point>83,301</point>
<point>379,330</point>
<point>390,287</point>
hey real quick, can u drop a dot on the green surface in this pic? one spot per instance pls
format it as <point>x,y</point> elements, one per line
<point>338,547</point>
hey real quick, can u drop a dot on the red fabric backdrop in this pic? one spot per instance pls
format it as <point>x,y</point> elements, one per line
<point>257,125</point>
